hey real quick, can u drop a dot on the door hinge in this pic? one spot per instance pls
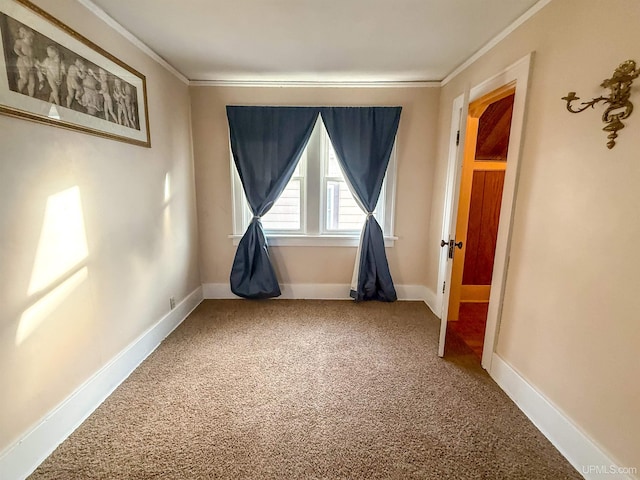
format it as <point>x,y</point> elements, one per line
<point>444,284</point>
<point>458,138</point>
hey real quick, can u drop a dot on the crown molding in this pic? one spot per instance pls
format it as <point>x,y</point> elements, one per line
<point>109,20</point>
<point>496,40</point>
<point>303,84</point>
<point>105,17</point>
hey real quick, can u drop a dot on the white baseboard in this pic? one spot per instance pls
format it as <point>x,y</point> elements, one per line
<point>583,453</point>
<point>22,458</point>
<point>325,291</point>
<point>431,299</point>
<point>411,292</point>
<point>316,291</point>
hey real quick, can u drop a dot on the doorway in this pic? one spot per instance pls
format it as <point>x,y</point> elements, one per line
<point>481,186</point>
<point>468,107</point>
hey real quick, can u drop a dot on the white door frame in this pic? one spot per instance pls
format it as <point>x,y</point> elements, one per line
<point>517,73</point>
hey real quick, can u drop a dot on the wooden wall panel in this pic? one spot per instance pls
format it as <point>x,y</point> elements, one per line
<point>474,227</point>
<point>494,130</point>
<point>482,233</point>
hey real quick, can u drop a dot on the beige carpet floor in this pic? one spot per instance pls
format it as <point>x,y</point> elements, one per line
<point>307,390</point>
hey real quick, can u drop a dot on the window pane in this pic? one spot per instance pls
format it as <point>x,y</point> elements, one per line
<point>343,213</point>
<point>303,160</point>
<point>333,168</point>
<point>285,213</point>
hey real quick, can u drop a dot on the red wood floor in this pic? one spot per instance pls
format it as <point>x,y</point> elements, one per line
<point>470,325</point>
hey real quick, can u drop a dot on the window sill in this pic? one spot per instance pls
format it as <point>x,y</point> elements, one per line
<point>282,240</point>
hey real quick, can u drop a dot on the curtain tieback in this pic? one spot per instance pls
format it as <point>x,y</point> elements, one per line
<point>257,217</point>
<point>369,215</point>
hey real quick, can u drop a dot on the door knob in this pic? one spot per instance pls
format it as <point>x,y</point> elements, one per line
<point>450,243</point>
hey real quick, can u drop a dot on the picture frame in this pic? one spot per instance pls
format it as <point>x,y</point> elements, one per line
<point>50,73</point>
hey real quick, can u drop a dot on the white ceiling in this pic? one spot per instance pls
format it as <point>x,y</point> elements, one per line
<point>315,40</point>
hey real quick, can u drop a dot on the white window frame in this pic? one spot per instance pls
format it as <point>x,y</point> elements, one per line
<point>313,230</point>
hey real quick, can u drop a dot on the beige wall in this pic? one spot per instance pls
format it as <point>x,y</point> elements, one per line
<point>570,321</point>
<point>66,310</point>
<point>416,148</point>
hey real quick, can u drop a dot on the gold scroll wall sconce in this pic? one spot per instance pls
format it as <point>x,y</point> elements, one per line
<point>619,106</point>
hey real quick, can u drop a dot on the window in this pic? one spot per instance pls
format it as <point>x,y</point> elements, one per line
<point>342,214</point>
<point>317,206</point>
<point>287,213</point>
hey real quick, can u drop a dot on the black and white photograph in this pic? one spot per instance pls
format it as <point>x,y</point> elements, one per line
<point>66,80</point>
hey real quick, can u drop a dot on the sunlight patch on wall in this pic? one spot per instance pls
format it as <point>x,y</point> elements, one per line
<point>57,268</point>
<point>63,241</point>
<point>166,216</point>
<point>167,187</point>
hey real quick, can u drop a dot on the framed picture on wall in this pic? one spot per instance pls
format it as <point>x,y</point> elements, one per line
<point>50,73</point>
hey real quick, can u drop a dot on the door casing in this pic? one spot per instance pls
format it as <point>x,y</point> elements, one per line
<point>518,75</point>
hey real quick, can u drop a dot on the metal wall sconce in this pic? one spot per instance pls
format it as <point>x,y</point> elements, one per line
<point>620,107</point>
